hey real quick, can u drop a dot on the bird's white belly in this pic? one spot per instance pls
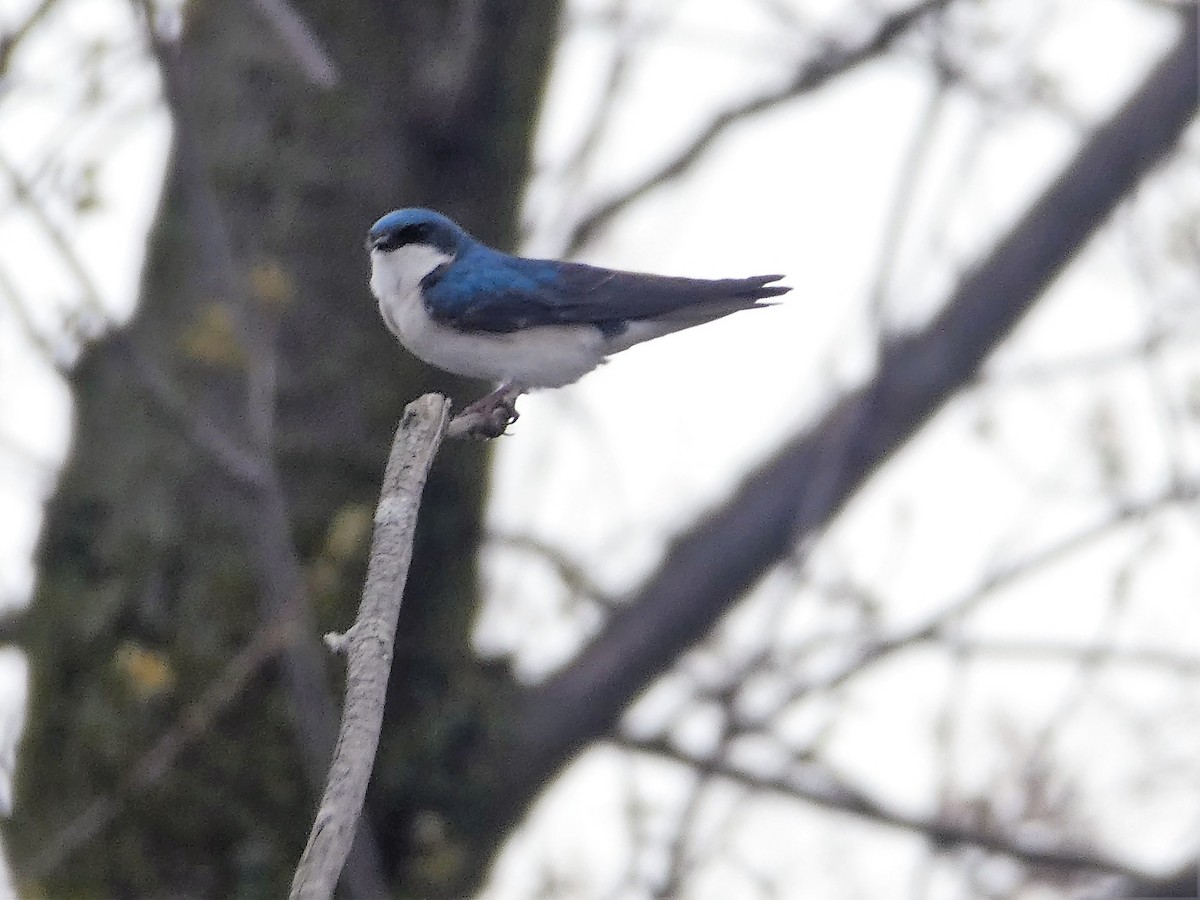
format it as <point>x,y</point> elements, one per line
<point>543,357</point>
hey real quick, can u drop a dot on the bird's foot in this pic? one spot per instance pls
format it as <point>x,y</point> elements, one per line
<point>487,417</point>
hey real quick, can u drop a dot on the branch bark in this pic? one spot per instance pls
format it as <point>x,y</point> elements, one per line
<point>820,789</point>
<point>798,491</point>
<point>837,59</point>
<point>369,647</point>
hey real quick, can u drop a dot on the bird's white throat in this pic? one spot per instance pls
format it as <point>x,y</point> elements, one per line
<point>398,272</point>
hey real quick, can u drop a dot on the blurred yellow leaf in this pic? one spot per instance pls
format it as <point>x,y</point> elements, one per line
<point>213,337</point>
<point>148,672</point>
<point>270,284</point>
<point>349,531</point>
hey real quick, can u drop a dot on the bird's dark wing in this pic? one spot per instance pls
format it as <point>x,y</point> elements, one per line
<point>505,293</point>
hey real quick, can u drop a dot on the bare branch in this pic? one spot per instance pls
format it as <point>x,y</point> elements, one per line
<point>573,576</point>
<point>836,59</point>
<point>12,40</point>
<point>1037,374</point>
<point>196,721</point>
<point>793,495</point>
<point>23,191</point>
<point>901,206</point>
<point>218,446</point>
<point>369,647</point>
<point>821,789</point>
<point>214,250</point>
<point>41,342</point>
<point>1109,654</point>
<point>936,625</point>
<point>302,42</point>
<point>618,74</point>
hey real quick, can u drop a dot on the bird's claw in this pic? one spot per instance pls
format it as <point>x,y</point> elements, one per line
<point>486,418</point>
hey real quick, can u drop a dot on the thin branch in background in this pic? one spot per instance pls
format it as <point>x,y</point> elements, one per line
<point>103,114</point>
<point>50,354</point>
<point>369,645</point>
<point>677,849</point>
<point>899,210</point>
<point>301,41</point>
<point>940,251</point>
<point>618,75</point>
<point>635,810</point>
<point>655,23</point>
<point>933,627</point>
<point>1035,375</point>
<point>941,627</point>
<point>921,882</point>
<point>947,730</point>
<point>1025,86</point>
<point>837,58</point>
<point>218,446</point>
<point>213,247</point>
<point>90,293</point>
<point>12,40</point>
<point>1087,668</point>
<point>785,14</point>
<point>809,785</point>
<point>721,842</point>
<point>573,172</point>
<point>574,576</point>
<point>1158,256</point>
<point>196,721</point>
<point>1105,653</point>
<point>1170,408</point>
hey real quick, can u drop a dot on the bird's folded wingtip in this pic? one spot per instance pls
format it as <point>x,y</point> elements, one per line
<point>768,288</point>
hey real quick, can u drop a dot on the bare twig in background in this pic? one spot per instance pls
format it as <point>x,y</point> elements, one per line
<point>36,338</point>
<point>901,206</point>
<point>218,446</point>
<point>303,43</point>
<point>797,492</point>
<point>369,646</point>
<point>195,722</point>
<point>809,784</point>
<point>12,40</point>
<point>93,302</point>
<point>834,60</point>
<point>574,576</point>
<point>936,626</point>
<point>1066,652</point>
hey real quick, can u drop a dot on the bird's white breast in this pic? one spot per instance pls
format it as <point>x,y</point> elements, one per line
<point>546,356</point>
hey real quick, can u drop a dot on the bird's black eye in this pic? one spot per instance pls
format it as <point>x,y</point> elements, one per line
<point>399,237</point>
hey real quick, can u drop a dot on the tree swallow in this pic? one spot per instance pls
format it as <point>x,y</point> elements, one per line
<point>459,305</point>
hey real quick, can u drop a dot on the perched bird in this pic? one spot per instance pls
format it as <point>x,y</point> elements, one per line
<point>466,308</point>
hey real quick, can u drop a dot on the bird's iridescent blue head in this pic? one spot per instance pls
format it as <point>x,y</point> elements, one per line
<point>416,226</point>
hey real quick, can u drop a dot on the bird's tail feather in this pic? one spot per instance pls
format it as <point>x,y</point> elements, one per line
<point>713,300</point>
<point>735,294</point>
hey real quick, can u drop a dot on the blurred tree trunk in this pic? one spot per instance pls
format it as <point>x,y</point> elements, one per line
<point>228,446</point>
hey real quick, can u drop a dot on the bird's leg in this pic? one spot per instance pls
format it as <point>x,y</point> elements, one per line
<point>489,416</point>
